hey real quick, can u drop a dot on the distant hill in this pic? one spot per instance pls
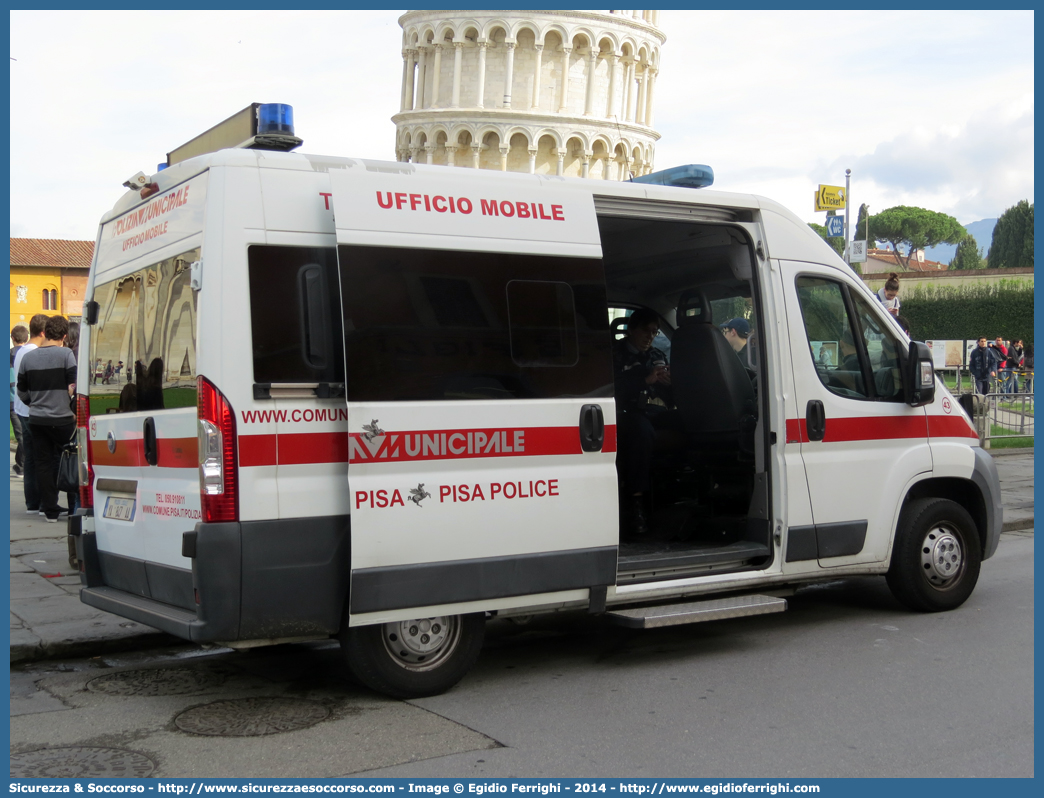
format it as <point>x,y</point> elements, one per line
<point>981,230</point>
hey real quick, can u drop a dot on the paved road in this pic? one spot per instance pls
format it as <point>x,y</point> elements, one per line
<point>846,683</point>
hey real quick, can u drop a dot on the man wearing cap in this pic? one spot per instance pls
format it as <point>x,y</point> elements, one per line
<point>736,331</point>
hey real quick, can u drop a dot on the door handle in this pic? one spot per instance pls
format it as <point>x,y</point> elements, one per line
<point>149,441</point>
<point>592,428</point>
<point>815,420</point>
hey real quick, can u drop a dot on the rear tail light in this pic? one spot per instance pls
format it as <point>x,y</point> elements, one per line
<point>218,480</point>
<point>83,447</point>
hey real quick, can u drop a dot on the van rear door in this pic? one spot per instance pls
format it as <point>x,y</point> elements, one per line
<point>479,389</point>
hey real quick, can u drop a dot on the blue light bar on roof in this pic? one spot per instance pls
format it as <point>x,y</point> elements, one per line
<point>275,118</point>
<point>693,175</point>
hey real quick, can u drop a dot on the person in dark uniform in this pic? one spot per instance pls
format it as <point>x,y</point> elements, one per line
<point>643,391</point>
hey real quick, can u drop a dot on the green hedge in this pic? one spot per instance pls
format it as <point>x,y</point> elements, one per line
<point>968,311</point>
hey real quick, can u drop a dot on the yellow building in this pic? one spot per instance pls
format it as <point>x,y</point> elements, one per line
<point>48,276</point>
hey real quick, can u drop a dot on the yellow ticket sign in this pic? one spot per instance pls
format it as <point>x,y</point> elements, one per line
<point>830,198</point>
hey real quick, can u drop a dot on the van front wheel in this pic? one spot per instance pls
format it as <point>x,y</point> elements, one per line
<point>935,557</point>
<point>415,658</point>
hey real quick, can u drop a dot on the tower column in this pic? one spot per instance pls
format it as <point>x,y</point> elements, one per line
<point>629,99</point>
<point>532,160</point>
<point>504,150</point>
<point>481,75</point>
<point>585,161</point>
<point>421,66</point>
<point>560,169</point>
<point>476,152</point>
<point>565,80</point>
<point>614,60</point>
<point>458,55</point>
<point>437,70</point>
<point>592,61</point>
<point>536,79</point>
<point>411,58</point>
<point>639,111</point>
<point>509,73</point>
<point>649,98</point>
<point>451,154</point>
<point>429,150</point>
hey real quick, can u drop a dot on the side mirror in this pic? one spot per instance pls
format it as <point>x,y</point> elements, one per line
<point>919,377</point>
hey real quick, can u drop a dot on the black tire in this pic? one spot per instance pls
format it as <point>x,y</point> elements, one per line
<point>936,556</point>
<point>413,659</point>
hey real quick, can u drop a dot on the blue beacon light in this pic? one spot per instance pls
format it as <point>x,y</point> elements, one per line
<point>693,175</point>
<point>275,118</point>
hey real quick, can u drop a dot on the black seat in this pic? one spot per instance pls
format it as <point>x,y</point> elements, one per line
<point>712,390</point>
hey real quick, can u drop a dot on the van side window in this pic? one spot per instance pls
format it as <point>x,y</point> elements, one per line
<point>289,287</point>
<point>834,344</point>
<point>882,346</point>
<point>143,348</point>
<point>440,325</point>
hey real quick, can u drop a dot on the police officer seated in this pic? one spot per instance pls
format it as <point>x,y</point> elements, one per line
<point>643,392</point>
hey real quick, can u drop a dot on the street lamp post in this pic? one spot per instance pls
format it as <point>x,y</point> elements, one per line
<point>848,204</point>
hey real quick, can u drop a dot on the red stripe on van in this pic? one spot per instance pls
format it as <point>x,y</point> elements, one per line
<point>177,452</point>
<point>257,450</point>
<point>861,428</point>
<point>128,454</point>
<point>950,427</point>
<point>332,447</point>
<point>880,428</point>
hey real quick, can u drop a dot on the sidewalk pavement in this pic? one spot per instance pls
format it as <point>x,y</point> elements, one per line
<point>48,620</point>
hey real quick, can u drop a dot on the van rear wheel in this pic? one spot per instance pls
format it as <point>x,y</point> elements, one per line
<point>415,658</point>
<point>936,556</point>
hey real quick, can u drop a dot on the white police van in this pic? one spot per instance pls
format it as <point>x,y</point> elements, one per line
<point>375,401</point>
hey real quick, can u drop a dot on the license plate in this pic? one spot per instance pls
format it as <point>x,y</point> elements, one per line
<point>119,509</point>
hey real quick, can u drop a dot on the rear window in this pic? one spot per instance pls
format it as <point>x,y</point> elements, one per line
<point>143,348</point>
<point>294,314</point>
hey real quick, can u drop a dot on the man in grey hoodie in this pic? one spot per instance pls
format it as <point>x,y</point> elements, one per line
<point>46,382</point>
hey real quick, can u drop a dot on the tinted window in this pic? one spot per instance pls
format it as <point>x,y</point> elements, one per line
<point>294,315</point>
<point>543,323</point>
<point>143,348</point>
<point>423,324</point>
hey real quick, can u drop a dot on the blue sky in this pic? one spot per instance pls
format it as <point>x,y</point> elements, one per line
<point>928,108</point>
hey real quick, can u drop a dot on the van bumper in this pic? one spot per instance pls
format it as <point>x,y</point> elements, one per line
<point>249,581</point>
<point>987,479</point>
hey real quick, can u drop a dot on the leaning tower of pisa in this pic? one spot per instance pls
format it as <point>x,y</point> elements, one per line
<point>545,92</point>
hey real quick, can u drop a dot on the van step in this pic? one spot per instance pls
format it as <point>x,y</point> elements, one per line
<point>697,611</point>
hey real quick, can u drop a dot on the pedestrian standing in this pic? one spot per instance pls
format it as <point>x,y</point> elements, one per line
<point>1027,369</point>
<point>983,366</point>
<point>19,335</point>
<point>1013,364</point>
<point>46,381</point>
<point>29,489</point>
<point>888,295</point>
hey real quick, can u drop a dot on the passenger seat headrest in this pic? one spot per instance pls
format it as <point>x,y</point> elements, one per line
<point>693,308</point>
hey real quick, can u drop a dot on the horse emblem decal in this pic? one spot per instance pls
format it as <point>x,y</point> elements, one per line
<point>418,494</point>
<point>371,430</point>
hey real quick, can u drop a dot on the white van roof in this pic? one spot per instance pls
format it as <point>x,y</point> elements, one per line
<point>788,236</point>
